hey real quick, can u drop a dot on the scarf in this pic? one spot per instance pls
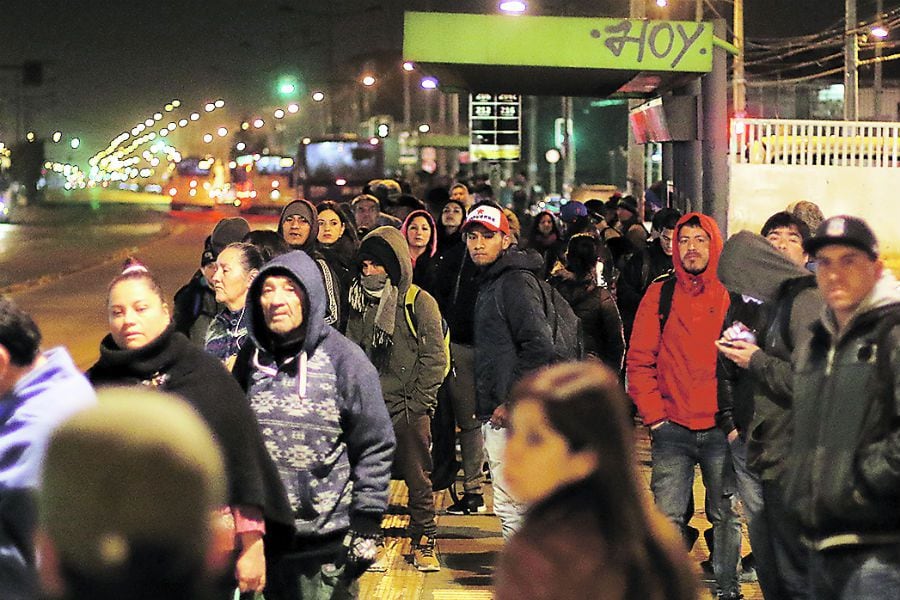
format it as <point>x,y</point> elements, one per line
<point>385,316</point>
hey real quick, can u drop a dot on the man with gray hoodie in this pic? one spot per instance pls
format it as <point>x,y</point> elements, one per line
<point>774,295</point>
<point>843,472</point>
<point>318,402</point>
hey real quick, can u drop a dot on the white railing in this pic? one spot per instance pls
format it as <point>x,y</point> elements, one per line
<point>823,143</point>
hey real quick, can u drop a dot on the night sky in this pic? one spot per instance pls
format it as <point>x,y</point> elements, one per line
<point>110,64</point>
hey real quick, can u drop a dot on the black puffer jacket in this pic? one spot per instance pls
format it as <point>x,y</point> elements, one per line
<point>600,320</point>
<point>637,274</point>
<point>455,289</point>
<point>512,334</point>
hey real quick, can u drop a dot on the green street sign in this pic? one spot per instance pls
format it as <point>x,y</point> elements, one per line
<point>573,42</point>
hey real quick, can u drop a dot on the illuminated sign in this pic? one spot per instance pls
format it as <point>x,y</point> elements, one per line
<point>495,126</point>
<point>576,42</point>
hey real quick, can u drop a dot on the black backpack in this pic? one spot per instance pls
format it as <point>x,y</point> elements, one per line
<point>568,339</point>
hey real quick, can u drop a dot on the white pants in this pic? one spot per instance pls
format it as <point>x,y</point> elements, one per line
<point>510,512</point>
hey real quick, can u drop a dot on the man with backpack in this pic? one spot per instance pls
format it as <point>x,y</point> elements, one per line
<point>775,296</point>
<point>842,481</point>
<point>407,346</point>
<point>671,366</point>
<point>517,320</point>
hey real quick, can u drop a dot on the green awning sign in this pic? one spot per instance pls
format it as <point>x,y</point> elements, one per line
<point>576,42</point>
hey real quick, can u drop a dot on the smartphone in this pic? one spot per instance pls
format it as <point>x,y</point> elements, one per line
<point>727,344</point>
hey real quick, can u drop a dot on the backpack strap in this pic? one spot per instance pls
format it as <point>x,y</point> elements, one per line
<point>409,305</point>
<point>666,292</point>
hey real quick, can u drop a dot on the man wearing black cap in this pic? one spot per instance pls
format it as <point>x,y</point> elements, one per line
<point>843,474</point>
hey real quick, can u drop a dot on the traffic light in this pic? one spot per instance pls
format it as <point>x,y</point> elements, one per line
<point>381,126</point>
<point>288,86</point>
<point>32,73</point>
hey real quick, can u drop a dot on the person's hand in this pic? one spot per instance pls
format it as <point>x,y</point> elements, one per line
<point>658,424</point>
<point>250,569</point>
<point>362,550</point>
<point>732,436</point>
<point>500,417</point>
<point>737,351</point>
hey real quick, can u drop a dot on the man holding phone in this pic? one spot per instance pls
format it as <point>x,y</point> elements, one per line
<point>775,300</point>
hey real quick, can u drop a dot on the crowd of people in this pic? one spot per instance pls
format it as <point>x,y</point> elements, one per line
<point>244,440</point>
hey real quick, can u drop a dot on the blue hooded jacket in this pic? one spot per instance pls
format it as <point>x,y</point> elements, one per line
<point>321,412</point>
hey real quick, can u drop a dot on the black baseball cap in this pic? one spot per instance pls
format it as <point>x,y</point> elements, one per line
<point>846,231</point>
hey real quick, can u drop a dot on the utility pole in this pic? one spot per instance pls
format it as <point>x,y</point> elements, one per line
<point>738,82</point>
<point>879,8</point>
<point>851,56</point>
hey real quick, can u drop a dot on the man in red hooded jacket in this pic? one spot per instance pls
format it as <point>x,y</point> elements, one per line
<point>672,379</point>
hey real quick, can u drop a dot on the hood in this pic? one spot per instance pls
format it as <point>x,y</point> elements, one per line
<point>885,293</point>
<point>708,276</point>
<point>514,259</point>
<point>751,266</point>
<point>397,243</point>
<point>301,267</point>
<point>305,208</point>
<point>432,241</point>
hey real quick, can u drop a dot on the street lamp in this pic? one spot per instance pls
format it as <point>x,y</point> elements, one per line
<point>75,143</point>
<point>513,7</point>
<point>368,80</point>
<point>318,96</point>
<point>552,156</point>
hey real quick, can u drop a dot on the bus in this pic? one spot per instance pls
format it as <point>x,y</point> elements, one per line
<point>337,168</point>
<point>197,182</point>
<point>262,183</point>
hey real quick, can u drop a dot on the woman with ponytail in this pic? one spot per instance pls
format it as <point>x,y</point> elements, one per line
<point>591,531</point>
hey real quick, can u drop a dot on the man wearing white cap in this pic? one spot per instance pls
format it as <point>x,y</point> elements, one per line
<point>512,336</point>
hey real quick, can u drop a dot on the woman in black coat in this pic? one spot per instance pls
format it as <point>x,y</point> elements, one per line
<point>594,304</point>
<point>143,348</point>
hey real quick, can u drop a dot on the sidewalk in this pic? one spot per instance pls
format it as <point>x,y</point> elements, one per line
<point>468,547</point>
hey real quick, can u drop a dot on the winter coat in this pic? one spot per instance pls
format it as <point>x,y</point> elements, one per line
<point>512,333</point>
<point>552,248</point>
<point>751,266</point>
<point>547,558</point>
<point>601,324</point>
<point>226,335</point>
<point>322,416</point>
<point>194,308</point>
<point>423,267</point>
<point>842,483</point>
<point>672,373</point>
<point>455,289</point>
<point>341,259</point>
<point>172,364</point>
<point>36,405</point>
<point>414,369</point>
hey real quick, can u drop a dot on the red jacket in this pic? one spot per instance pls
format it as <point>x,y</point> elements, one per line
<point>673,375</point>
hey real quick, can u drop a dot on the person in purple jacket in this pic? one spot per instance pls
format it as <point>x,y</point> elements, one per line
<point>38,391</point>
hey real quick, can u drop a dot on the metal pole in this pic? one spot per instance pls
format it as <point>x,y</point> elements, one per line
<point>568,145</point>
<point>635,176</point>
<point>714,100</point>
<point>407,101</point>
<point>531,104</point>
<point>739,88</point>
<point>698,10</point>
<point>454,124</point>
<point>879,8</point>
<point>851,54</point>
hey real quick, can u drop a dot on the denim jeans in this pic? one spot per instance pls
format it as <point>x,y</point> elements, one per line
<point>751,492</point>
<point>675,450</point>
<point>511,513</point>
<point>791,557</point>
<point>855,573</point>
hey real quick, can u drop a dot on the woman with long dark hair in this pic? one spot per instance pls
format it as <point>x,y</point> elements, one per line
<point>591,531</point>
<point>420,232</point>
<point>143,349</point>
<point>581,283</point>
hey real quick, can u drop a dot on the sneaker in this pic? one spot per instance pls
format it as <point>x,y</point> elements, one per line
<point>748,569</point>
<point>732,596</point>
<point>424,557</point>
<point>381,561</point>
<point>467,505</point>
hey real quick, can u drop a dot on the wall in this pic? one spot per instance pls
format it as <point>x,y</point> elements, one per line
<point>757,191</point>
